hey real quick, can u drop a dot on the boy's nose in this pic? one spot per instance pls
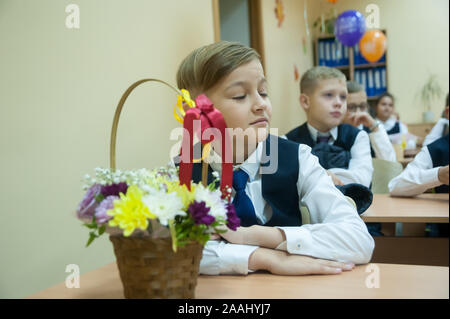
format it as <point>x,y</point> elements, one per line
<point>259,103</point>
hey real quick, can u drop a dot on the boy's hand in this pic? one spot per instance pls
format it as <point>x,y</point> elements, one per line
<point>363,118</point>
<point>443,175</point>
<point>335,179</point>
<point>239,236</point>
<point>256,235</point>
<point>282,263</point>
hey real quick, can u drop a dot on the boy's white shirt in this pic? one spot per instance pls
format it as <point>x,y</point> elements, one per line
<point>417,177</point>
<point>381,144</point>
<point>336,231</point>
<point>436,131</point>
<point>360,168</point>
<point>390,123</point>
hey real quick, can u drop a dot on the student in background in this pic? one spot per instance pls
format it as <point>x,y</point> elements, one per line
<point>384,110</point>
<point>272,236</point>
<point>429,169</point>
<point>358,116</point>
<point>441,127</point>
<point>342,149</point>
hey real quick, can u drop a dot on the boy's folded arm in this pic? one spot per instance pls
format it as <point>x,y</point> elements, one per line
<point>381,145</point>
<point>417,177</point>
<point>360,168</point>
<point>220,257</point>
<point>337,232</point>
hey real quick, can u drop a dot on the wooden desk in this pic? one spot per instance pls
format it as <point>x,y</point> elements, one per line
<point>425,208</point>
<point>407,248</point>
<point>396,281</point>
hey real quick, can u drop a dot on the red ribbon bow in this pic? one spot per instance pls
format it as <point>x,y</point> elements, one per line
<point>209,117</point>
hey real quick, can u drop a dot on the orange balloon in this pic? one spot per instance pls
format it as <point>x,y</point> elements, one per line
<point>373,45</point>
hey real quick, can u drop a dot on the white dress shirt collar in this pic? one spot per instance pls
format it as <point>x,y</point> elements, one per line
<point>314,132</point>
<point>250,165</point>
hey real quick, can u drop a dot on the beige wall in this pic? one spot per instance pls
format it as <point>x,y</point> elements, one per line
<point>418,45</point>
<point>283,50</point>
<point>58,91</point>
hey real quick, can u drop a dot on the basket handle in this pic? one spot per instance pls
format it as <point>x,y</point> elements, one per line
<point>112,149</point>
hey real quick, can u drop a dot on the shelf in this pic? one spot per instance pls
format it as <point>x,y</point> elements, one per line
<point>371,65</point>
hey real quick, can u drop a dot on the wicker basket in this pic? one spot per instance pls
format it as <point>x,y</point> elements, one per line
<point>149,268</point>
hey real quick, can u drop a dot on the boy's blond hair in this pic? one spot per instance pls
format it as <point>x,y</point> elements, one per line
<point>207,65</point>
<point>354,87</point>
<point>309,80</point>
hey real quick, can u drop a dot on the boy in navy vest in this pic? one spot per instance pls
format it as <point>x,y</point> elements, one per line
<point>272,178</point>
<point>441,127</point>
<point>358,116</point>
<point>429,169</point>
<point>342,149</point>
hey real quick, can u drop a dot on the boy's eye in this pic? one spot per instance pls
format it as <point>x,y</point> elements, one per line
<point>343,97</point>
<point>263,94</point>
<point>241,97</point>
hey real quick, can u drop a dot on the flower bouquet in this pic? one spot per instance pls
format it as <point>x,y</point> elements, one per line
<point>158,220</point>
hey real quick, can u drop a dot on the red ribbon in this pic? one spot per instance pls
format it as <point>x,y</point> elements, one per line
<point>209,117</point>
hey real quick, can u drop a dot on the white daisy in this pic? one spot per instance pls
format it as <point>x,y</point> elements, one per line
<point>164,206</point>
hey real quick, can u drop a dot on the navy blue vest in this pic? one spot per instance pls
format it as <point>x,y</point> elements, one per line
<point>439,155</point>
<point>345,140</point>
<point>395,129</point>
<point>279,189</point>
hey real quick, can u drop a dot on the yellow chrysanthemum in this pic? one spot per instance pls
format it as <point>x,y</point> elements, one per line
<point>130,212</point>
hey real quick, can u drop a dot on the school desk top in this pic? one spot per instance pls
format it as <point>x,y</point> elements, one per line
<point>394,281</point>
<point>425,208</point>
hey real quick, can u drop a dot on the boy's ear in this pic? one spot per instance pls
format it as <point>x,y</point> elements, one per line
<point>304,102</point>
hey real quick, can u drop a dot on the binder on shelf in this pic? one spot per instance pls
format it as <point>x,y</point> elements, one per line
<point>370,83</point>
<point>356,55</point>
<point>346,59</point>
<point>333,54</point>
<point>327,54</point>
<point>322,53</point>
<point>363,80</point>
<point>383,80</point>
<point>339,57</point>
<point>358,77</point>
<point>377,75</point>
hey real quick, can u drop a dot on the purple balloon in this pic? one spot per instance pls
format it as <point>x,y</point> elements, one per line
<point>349,27</point>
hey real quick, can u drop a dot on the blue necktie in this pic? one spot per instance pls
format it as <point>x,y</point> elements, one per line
<point>242,203</point>
<point>322,139</point>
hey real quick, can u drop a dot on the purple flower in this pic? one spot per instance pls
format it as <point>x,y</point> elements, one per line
<point>199,212</point>
<point>233,221</point>
<point>87,206</point>
<point>106,204</point>
<point>114,189</point>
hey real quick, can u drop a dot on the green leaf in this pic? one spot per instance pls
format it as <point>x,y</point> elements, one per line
<point>90,226</point>
<point>92,236</point>
<point>101,230</point>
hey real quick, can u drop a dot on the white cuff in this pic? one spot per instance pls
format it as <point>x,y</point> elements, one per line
<point>229,259</point>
